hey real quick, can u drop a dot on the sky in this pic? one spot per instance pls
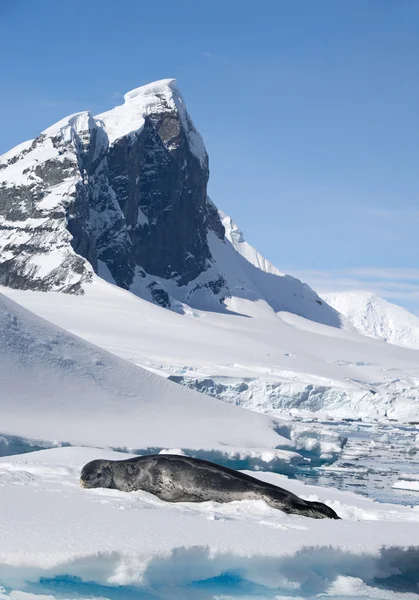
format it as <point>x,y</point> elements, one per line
<point>309,112</point>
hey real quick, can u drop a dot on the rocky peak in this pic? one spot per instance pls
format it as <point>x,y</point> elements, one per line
<point>124,194</point>
<point>123,189</point>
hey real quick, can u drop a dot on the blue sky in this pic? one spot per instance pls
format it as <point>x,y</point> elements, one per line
<point>309,111</point>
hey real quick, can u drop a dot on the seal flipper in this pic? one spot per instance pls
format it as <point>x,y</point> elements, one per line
<point>298,506</point>
<point>324,511</point>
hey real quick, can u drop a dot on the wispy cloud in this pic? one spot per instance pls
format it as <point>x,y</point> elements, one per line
<point>209,55</point>
<point>385,273</point>
<point>396,285</point>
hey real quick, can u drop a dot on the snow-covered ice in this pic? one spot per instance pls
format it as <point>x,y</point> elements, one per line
<point>52,529</point>
<point>267,362</point>
<point>407,481</point>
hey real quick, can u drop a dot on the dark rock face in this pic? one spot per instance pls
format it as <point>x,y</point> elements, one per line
<point>161,189</point>
<point>138,203</point>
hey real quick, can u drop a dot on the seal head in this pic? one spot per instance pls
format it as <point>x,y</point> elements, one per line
<point>97,473</point>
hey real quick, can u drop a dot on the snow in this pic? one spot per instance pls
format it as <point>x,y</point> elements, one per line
<point>407,481</point>
<point>142,219</point>
<point>55,195</point>
<point>236,238</point>
<point>42,245</point>
<point>270,361</point>
<point>104,272</point>
<point>57,387</point>
<point>407,484</point>
<point>113,538</point>
<point>68,126</point>
<point>155,97</point>
<point>376,317</point>
<point>19,173</point>
<point>252,286</point>
<point>24,146</point>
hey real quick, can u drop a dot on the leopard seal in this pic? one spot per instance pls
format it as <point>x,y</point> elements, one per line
<point>176,478</point>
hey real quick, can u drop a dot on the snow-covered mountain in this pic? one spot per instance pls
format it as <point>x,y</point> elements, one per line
<point>376,317</point>
<point>124,194</point>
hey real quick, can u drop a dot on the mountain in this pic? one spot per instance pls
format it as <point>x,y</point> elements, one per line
<point>124,194</point>
<point>112,211</point>
<point>375,317</point>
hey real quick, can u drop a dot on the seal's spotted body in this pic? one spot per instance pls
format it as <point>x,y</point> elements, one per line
<point>183,479</point>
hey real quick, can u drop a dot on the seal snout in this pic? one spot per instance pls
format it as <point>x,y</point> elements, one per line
<point>87,479</point>
<point>96,474</point>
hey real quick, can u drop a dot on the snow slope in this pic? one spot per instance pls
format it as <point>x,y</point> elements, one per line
<point>133,542</point>
<point>270,361</point>
<point>58,388</point>
<point>374,316</point>
<point>253,279</point>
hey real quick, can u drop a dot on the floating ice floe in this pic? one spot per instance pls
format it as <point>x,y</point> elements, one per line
<point>53,531</point>
<point>407,482</point>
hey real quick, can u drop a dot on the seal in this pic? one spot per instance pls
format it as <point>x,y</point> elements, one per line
<point>176,478</point>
